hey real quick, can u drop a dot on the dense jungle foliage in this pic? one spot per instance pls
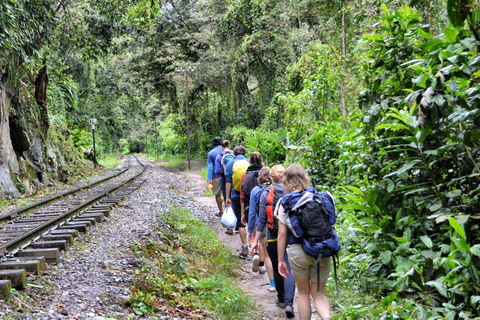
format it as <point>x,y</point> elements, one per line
<point>378,100</point>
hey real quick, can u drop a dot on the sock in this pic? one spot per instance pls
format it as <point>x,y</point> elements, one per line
<point>272,283</point>
<point>261,264</point>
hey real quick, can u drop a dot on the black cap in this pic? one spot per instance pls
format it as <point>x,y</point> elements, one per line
<point>217,141</point>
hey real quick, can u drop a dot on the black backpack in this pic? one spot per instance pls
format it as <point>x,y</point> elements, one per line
<point>250,182</point>
<point>312,219</point>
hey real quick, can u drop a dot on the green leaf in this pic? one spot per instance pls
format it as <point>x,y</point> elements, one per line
<point>454,194</point>
<point>457,227</point>
<point>474,300</point>
<point>439,286</point>
<point>401,239</point>
<point>386,257</point>
<point>435,207</point>
<point>451,34</point>
<point>461,244</point>
<point>475,250</point>
<point>427,241</point>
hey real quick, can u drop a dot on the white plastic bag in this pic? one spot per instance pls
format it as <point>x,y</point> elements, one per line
<point>229,220</point>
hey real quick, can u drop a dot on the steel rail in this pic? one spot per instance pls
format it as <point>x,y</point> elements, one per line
<point>22,241</point>
<point>16,213</point>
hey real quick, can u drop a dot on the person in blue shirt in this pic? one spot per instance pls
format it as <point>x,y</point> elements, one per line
<point>212,179</point>
<point>221,162</point>
<point>233,198</point>
<point>261,261</point>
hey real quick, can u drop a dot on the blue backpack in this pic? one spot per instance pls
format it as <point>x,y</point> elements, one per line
<point>310,215</point>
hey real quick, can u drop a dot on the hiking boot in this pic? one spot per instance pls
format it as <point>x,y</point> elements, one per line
<point>280,304</point>
<point>262,270</point>
<point>244,251</point>
<point>255,263</point>
<point>289,312</point>
<point>229,231</point>
<point>272,288</point>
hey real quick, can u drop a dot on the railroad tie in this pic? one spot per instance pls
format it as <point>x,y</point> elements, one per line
<point>72,232</point>
<point>98,216</point>
<point>41,260</point>
<point>30,266</point>
<point>52,255</point>
<point>52,237</point>
<point>18,278</point>
<point>60,244</point>
<point>5,286</point>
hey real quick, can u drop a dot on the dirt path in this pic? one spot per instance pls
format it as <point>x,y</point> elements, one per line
<point>253,284</point>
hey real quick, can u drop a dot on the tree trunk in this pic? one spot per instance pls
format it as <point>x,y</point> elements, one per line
<point>344,67</point>
<point>41,84</point>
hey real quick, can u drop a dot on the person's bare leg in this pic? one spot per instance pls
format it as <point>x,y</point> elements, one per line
<point>243,235</point>
<point>322,305</point>
<point>219,201</point>
<point>303,299</point>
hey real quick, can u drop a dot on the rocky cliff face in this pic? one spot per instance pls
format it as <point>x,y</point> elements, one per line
<point>28,159</point>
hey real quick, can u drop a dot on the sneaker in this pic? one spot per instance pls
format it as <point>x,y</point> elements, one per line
<point>280,304</point>
<point>244,250</point>
<point>262,270</point>
<point>289,312</point>
<point>255,263</point>
<point>229,231</point>
<point>272,288</point>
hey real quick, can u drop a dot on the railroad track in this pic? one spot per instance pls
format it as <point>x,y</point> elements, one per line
<point>35,235</point>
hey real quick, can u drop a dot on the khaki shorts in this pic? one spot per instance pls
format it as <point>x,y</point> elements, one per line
<point>304,266</point>
<point>217,190</point>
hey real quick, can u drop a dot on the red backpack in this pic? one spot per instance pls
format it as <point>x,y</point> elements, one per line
<point>275,192</point>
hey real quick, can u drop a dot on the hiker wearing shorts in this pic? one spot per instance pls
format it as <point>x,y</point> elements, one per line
<point>212,179</point>
<point>285,286</point>
<point>303,266</point>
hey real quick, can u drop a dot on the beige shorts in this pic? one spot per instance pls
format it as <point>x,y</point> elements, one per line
<point>216,186</point>
<point>304,266</point>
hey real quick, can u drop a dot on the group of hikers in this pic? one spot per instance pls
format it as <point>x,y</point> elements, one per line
<point>262,199</point>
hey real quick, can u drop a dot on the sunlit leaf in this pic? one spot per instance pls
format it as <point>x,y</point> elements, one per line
<point>457,227</point>
<point>427,241</point>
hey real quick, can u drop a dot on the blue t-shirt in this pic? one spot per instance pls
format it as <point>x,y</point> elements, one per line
<point>211,161</point>
<point>229,175</point>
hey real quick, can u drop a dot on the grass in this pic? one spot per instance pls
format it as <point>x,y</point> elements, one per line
<point>171,162</point>
<point>190,267</point>
<point>109,161</point>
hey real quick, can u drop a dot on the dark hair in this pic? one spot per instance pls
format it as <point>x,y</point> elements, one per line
<point>217,141</point>
<point>256,158</point>
<point>295,179</point>
<point>239,150</point>
<point>226,144</point>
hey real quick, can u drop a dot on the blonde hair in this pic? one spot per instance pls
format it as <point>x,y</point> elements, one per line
<point>264,175</point>
<point>277,172</point>
<point>295,179</point>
